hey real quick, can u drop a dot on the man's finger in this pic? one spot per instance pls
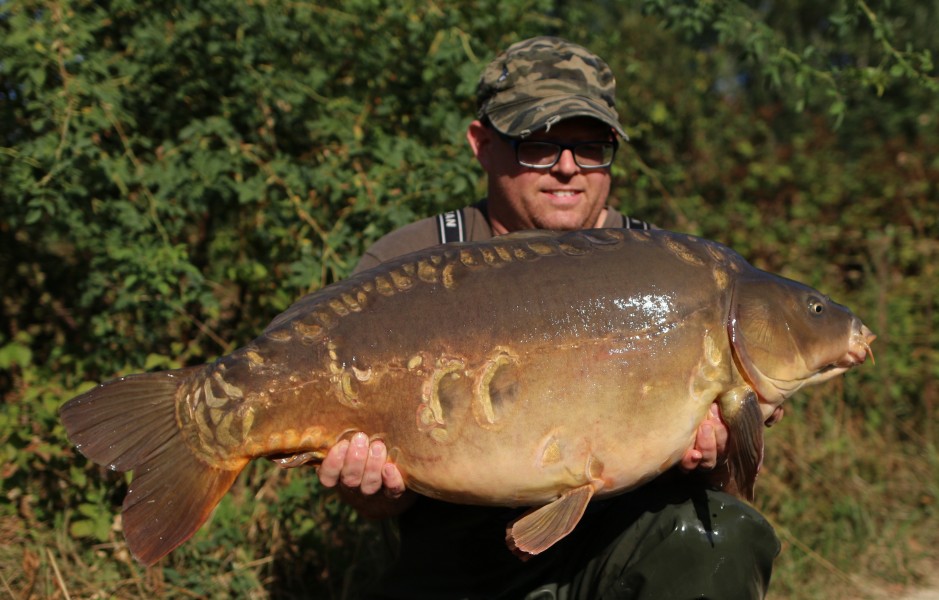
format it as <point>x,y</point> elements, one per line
<point>372,475</point>
<point>706,443</point>
<point>720,431</point>
<point>331,467</point>
<point>776,417</point>
<point>690,460</point>
<point>392,480</point>
<point>354,464</point>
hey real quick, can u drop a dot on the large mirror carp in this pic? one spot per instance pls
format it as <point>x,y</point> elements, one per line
<point>536,369</point>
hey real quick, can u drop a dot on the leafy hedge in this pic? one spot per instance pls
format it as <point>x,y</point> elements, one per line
<point>175,174</point>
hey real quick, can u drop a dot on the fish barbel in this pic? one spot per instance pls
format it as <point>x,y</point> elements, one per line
<point>536,369</point>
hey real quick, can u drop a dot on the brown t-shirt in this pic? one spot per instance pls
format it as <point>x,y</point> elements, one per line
<point>424,234</point>
<point>456,551</point>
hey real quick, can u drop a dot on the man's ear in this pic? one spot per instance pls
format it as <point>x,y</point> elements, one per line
<point>480,140</point>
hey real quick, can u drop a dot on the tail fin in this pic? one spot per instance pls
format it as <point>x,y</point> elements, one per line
<point>130,424</point>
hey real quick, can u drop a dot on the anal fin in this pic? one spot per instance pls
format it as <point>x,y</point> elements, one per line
<point>541,528</point>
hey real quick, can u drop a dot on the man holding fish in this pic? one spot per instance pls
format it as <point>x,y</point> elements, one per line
<point>546,135</point>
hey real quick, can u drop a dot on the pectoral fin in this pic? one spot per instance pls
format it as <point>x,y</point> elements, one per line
<point>541,528</point>
<point>740,410</point>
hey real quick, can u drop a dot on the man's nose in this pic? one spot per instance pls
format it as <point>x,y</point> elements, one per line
<point>566,163</point>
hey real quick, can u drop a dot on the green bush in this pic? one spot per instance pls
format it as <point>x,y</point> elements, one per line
<point>174,175</point>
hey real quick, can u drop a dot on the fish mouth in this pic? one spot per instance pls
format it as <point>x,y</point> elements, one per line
<point>859,348</point>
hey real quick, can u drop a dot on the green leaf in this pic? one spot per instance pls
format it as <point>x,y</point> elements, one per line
<point>15,354</point>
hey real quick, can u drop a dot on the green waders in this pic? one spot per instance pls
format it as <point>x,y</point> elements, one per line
<point>672,539</point>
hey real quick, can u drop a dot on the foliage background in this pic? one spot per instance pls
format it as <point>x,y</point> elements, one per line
<point>174,174</point>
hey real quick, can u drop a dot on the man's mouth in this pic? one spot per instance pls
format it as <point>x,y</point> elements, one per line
<point>564,194</point>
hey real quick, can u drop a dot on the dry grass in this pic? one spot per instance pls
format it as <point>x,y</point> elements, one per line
<point>855,506</point>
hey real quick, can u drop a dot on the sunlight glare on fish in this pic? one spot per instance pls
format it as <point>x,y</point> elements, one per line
<point>657,307</point>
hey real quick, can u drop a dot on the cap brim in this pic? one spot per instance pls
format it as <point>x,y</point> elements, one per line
<point>521,119</point>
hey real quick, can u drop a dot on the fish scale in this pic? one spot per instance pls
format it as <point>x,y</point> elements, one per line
<point>537,369</point>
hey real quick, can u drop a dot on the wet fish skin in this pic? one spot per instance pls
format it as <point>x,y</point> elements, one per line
<point>578,364</point>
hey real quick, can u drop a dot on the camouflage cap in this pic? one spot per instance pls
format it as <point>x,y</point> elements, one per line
<point>543,80</point>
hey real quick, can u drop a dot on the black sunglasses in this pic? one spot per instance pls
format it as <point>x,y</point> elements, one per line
<point>544,154</point>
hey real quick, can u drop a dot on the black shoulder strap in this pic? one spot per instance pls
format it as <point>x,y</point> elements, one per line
<point>633,223</point>
<point>451,227</point>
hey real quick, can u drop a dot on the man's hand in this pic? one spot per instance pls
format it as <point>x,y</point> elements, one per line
<point>709,445</point>
<point>362,470</point>
<point>363,466</point>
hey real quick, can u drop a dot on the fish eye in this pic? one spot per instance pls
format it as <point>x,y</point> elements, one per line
<point>816,306</point>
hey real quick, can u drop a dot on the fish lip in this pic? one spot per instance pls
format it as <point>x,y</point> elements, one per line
<point>854,356</point>
<point>859,347</point>
<point>859,356</point>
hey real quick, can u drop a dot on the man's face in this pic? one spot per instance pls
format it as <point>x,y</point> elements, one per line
<point>564,197</point>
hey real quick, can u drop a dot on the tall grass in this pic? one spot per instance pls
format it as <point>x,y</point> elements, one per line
<point>854,505</point>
